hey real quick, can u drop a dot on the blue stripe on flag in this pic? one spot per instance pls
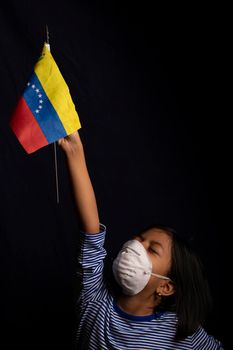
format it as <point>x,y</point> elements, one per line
<point>43,110</point>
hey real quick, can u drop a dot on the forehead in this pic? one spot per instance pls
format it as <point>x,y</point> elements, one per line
<point>158,235</point>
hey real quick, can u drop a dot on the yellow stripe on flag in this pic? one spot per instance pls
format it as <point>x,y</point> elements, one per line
<point>57,91</point>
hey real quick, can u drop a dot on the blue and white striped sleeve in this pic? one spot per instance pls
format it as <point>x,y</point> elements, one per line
<point>201,340</point>
<point>90,264</point>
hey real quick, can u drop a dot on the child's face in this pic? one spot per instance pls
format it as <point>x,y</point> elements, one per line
<point>158,246</point>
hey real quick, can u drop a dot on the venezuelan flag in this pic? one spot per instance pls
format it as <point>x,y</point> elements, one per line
<point>45,112</point>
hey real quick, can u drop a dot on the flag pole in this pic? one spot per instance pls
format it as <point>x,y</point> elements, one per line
<point>47,34</point>
<point>54,144</point>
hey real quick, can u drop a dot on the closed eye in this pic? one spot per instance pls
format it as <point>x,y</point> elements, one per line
<point>152,250</point>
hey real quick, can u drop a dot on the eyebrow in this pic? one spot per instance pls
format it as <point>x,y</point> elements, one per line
<point>151,242</point>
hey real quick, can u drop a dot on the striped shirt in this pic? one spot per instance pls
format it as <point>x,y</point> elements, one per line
<point>103,325</point>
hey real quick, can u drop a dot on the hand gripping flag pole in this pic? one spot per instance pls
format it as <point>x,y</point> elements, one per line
<point>45,111</point>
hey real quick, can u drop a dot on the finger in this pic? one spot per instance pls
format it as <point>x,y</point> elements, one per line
<point>60,141</point>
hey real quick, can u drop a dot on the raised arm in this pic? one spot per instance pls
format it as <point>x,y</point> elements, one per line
<point>83,190</point>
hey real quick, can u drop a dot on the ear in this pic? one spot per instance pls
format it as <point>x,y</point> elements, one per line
<point>166,288</point>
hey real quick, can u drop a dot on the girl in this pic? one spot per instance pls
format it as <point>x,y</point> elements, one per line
<point>163,295</point>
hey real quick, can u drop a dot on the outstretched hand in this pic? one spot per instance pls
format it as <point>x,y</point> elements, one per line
<point>71,143</point>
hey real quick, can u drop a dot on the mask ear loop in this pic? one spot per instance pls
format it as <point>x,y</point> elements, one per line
<point>160,276</point>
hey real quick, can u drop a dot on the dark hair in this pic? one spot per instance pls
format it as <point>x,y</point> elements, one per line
<point>192,299</point>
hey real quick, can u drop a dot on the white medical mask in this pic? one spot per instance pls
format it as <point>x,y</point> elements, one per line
<point>132,268</point>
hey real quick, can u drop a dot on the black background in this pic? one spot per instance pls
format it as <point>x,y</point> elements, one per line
<point>147,82</point>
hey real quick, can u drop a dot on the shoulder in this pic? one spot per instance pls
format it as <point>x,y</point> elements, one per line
<point>202,340</point>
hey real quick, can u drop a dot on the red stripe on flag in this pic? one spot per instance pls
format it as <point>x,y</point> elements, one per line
<point>26,128</point>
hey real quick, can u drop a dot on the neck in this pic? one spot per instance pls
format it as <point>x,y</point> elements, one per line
<point>138,305</point>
